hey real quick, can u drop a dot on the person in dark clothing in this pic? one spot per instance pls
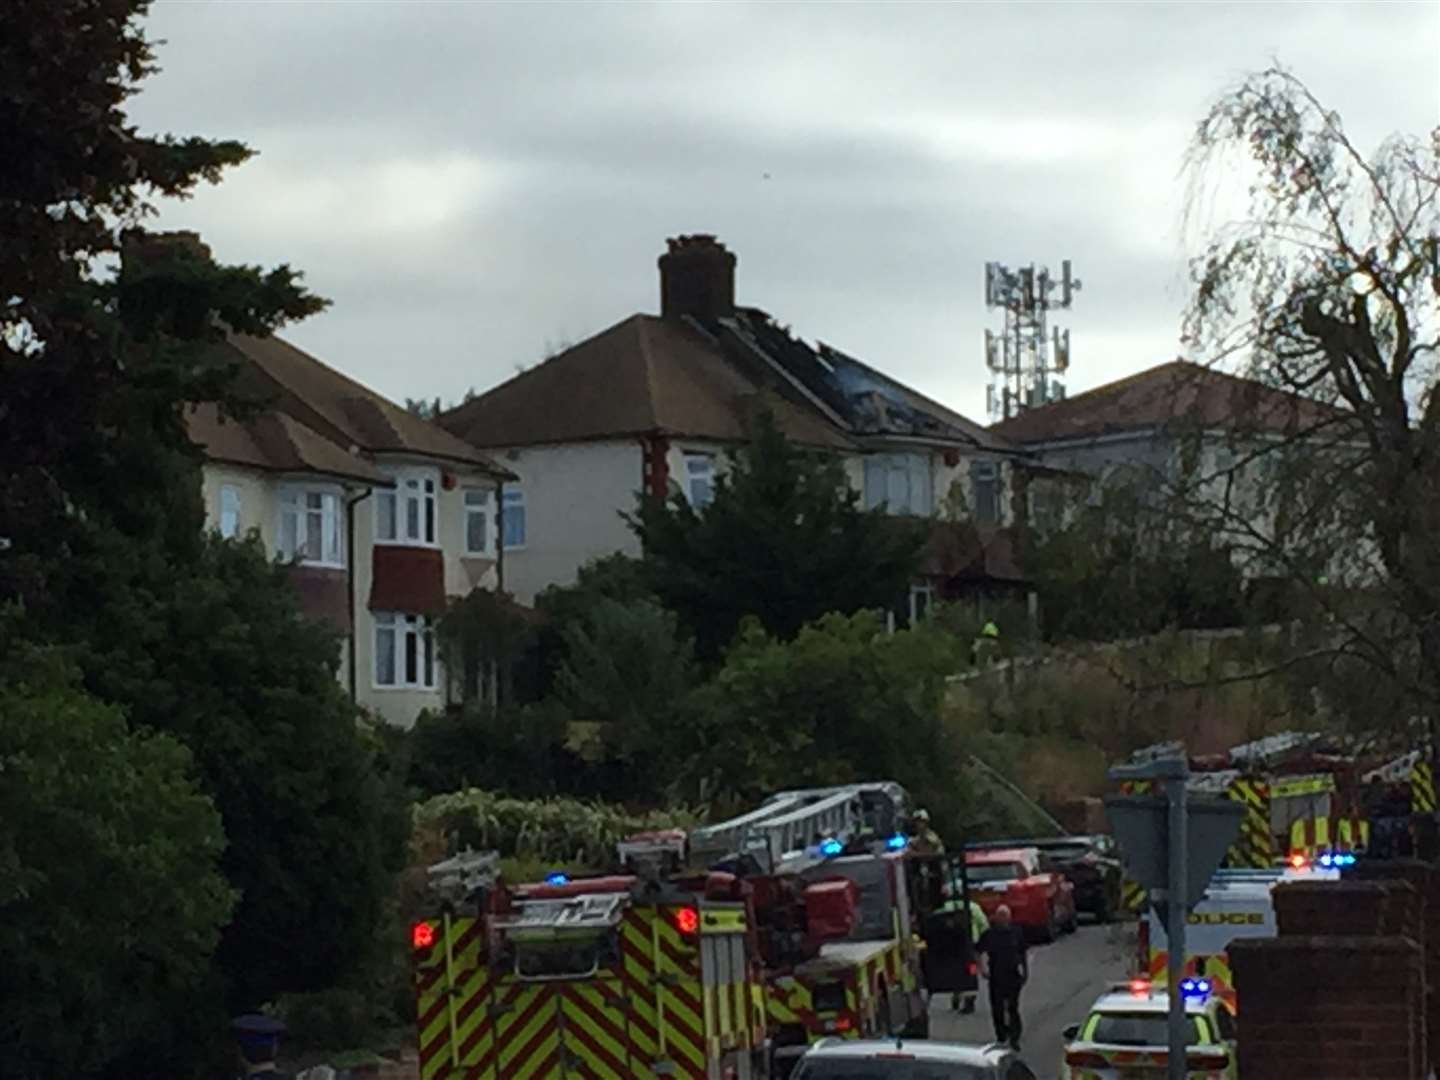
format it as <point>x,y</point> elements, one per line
<point>1003,962</point>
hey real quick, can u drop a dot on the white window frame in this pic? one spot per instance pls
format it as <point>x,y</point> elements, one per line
<point>482,507</point>
<point>513,496</point>
<point>229,515</point>
<point>699,469</point>
<point>300,502</point>
<point>394,633</point>
<point>413,501</point>
<point>911,474</point>
<point>988,469</point>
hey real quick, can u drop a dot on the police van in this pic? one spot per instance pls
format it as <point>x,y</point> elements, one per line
<point>1237,904</point>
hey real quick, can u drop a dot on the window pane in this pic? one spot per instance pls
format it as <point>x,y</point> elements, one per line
<point>897,488</point>
<point>229,512</point>
<point>385,515</point>
<point>701,492</point>
<point>412,658</point>
<point>429,518</point>
<point>475,539</point>
<point>332,530</point>
<point>384,655</point>
<point>874,482</point>
<point>412,517</point>
<point>289,532</point>
<point>477,497</point>
<point>314,534</point>
<point>920,497</point>
<point>514,522</point>
<point>428,637</point>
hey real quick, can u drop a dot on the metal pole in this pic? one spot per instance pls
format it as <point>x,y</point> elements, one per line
<point>1175,932</point>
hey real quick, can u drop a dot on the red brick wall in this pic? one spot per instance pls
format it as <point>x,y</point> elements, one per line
<point>1330,1008</point>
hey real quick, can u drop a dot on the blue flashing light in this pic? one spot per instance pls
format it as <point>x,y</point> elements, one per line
<point>1195,989</point>
<point>897,842</point>
<point>830,848</point>
<point>1333,860</point>
<point>557,878</point>
<point>1327,860</point>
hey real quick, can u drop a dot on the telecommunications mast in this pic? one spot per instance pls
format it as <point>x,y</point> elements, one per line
<point>1023,360</point>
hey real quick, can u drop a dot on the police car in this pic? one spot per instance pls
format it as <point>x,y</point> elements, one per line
<point>896,1059</point>
<point>1127,1034</point>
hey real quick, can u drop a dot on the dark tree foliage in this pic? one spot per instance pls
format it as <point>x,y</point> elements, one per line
<point>100,499</point>
<point>517,749</point>
<point>784,539</point>
<point>111,896</point>
<point>1122,568</point>
<point>614,577</point>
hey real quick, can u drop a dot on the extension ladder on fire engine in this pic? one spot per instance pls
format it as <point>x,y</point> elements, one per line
<point>787,828</point>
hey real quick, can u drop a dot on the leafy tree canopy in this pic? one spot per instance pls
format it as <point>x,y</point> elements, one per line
<point>111,896</point>
<point>841,701</point>
<point>784,539</point>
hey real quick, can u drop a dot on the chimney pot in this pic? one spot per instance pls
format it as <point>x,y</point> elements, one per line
<point>697,277</point>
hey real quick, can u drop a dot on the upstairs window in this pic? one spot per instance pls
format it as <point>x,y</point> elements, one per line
<point>406,514</point>
<point>404,651</point>
<point>512,518</point>
<point>310,526</point>
<point>477,521</point>
<point>985,483</point>
<point>899,482</point>
<point>229,511</point>
<point>699,479</point>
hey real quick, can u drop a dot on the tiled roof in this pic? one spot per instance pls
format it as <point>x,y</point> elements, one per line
<point>276,443</point>
<point>342,410</point>
<point>1176,394</point>
<point>643,375</point>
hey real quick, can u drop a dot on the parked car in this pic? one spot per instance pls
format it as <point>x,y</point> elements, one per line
<point>888,1059</point>
<point>1042,902</point>
<point>1090,863</point>
<point>1127,1034</point>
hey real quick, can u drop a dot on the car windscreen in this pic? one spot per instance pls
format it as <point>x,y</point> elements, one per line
<point>890,1068</point>
<point>1137,1029</point>
<point>978,873</point>
<point>1065,852</point>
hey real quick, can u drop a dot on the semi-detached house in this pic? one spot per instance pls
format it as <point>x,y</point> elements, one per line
<point>382,516</point>
<point>652,404</point>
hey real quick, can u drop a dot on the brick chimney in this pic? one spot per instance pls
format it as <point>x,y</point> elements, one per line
<point>697,277</point>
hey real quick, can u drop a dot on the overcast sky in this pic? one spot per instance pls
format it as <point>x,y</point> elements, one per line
<point>473,183</point>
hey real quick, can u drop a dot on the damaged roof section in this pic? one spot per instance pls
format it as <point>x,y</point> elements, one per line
<point>868,403</point>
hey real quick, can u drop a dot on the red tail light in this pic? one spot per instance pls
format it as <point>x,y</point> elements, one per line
<point>422,935</point>
<point>971,968</point>
<point>1085,1059</point>
<point>687,920</point>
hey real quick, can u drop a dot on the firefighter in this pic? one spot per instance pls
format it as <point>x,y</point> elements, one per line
<point>258,1037</point>
<point>965,1003</point>
<point>924,839</point>
<point>986,648</point>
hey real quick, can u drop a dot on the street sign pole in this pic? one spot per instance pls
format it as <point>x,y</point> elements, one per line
<point>1179,859</point>
<point>1171,845</point>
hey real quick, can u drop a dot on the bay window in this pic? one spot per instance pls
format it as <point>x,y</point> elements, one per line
<point>404,651</point>
<point>310,526</point>
<point>406,514</point>
<point>899,482</point>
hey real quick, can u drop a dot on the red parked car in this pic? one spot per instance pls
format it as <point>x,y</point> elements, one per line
<point>1041,903</point>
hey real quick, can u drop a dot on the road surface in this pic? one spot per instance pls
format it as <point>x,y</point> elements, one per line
<point>1065,978</point>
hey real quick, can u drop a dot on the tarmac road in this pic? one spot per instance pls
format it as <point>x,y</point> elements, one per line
<point>1065,977</point>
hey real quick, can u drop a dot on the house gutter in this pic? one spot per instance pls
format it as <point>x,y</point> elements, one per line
<point>350,505</point>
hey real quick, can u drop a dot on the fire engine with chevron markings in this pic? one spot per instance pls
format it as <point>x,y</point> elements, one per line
<point>715,954</point>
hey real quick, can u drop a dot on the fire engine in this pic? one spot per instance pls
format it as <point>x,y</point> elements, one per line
<point>719,953</point>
